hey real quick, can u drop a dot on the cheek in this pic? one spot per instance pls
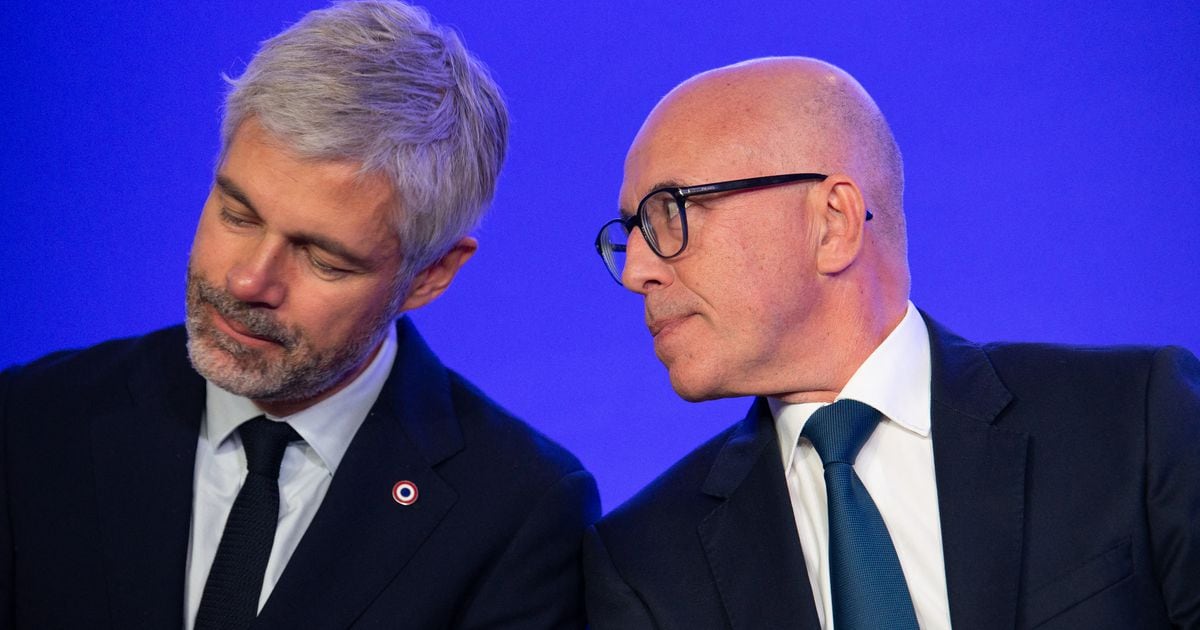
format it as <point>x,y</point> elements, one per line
<point>213,240</point>
<point>755,303</point>
<point>335,313</point>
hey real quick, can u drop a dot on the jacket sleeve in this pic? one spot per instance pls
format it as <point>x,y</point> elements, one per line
<point>538,582</point>
<point>611,602</point>
<point>1173,480</point>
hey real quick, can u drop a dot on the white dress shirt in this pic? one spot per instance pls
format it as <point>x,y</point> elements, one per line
<point>895,464</point>
<point>304,476</point>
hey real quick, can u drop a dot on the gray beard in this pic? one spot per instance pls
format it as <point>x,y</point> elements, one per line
<point>301,373</point>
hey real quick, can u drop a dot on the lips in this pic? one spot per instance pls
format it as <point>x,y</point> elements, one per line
<point>662,326</point>
<point>239,331</point>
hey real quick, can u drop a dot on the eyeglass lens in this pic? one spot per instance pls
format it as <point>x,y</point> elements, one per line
<point>664,223</point>
<point>664,230</point>
<point>612,244</point>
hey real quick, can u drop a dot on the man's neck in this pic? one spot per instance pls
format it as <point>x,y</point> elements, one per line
<point>863,337</point>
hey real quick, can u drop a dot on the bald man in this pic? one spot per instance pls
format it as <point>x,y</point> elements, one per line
<point>989,486</point>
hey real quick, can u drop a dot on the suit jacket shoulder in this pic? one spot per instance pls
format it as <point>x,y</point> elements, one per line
<point>675,496</point>
<point>99,376</point>
<point>1068,483</point>
<point>492,540</point>
<point>705,544</point>
<point>484,422</point>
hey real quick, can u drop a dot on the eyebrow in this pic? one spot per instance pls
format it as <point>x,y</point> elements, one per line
<point>233,190</point>
<point>330,245</point>
<point>667,183</point>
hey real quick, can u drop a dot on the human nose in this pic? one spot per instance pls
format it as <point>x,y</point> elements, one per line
<point>644,270</point>
<point>256,277</point>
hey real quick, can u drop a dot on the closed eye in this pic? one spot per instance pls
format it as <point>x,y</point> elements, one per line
<point>324,269</point>
<point>231,218</point>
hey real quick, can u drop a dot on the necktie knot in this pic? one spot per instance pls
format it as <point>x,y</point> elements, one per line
<point>838,431</point>
<point>265,442</point>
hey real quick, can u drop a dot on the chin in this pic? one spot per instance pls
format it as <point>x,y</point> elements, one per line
<point>694,390</point>
<point>698,374</point>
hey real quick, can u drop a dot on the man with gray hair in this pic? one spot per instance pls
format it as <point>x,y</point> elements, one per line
<point>889,474</point>
<point>296,456</point>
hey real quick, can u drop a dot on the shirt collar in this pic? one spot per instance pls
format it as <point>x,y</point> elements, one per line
<point>327,426</point>
<point>895,379</point>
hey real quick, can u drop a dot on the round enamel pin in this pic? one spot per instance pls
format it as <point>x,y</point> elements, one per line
<point>405,492</point>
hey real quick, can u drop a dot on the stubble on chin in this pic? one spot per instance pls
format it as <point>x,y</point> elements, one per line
<point>293,371</point>
<point>255,373</point>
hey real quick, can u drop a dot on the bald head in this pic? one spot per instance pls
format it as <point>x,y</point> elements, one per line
<point>788,114</point>
<point>781,290</point>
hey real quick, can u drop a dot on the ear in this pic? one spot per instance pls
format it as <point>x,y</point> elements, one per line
<point>840,223</point>
<point>434,279</point>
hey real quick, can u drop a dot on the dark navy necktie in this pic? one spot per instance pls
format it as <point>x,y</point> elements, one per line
<point>231,593</point>
<point>868,585</point>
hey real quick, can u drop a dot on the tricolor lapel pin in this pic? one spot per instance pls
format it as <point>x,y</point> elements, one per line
<point>405,492</point>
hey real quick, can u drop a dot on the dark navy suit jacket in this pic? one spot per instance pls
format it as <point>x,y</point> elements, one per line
<point>97,450</point>
<point>1068,489</point>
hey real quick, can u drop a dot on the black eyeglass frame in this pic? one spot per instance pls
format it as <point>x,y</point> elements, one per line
<point>681,195</point>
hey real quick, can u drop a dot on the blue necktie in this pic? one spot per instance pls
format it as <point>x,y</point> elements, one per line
<point>230,599</point>
<point>864,573</point>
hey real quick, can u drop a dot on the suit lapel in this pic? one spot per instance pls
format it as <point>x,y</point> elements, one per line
<point>750,538</point>
<point>144,450</point>
<point>980,470</point>
<point>360,538</point>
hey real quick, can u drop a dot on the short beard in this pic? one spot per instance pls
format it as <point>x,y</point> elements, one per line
<point>302,373</point>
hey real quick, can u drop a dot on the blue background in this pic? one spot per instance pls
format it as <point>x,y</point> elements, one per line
<point>1052,152</point>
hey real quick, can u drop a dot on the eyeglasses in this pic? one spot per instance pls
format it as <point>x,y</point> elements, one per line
<point>662,218</point>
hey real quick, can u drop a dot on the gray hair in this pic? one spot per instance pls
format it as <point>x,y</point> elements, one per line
<point>377,82</point>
